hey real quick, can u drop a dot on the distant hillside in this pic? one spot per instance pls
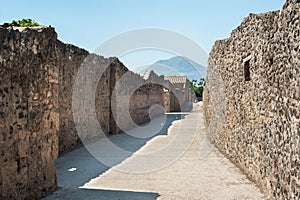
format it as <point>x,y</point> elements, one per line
<point>176,66</point>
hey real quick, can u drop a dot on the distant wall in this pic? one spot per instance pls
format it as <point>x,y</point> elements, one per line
<point>133,100</point>
<point>140,101</point>
<point>29,118</point>
<point>252,99</point>
<point>182,97</point>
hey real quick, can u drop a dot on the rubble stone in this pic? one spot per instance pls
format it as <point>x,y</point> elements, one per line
<point>252,103</point>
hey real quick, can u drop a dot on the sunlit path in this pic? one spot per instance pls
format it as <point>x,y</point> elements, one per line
<point>190,177</point>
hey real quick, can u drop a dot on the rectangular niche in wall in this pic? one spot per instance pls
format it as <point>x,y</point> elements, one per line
<point>247,74</point>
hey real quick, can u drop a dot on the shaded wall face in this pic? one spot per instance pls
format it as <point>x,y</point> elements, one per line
<point>109,72</point>
<point>143,99</point>
<point>172,102</point>
<point>136,100</point>
<point>29,120</point>
<point>70,59</point>
<point>253,96</point>
<point>104,105</point>
<point>179,98</point>
<point>116,111</point>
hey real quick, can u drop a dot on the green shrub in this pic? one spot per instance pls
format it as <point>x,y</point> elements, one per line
<point>198,87</point>
<point>22,23</point>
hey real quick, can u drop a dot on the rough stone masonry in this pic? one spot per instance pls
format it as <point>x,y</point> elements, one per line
<point>29,118</point>
<point>37,74</point>
<point>252,99</point>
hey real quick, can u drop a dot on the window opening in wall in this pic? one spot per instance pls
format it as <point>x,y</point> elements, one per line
<point>247,70</point>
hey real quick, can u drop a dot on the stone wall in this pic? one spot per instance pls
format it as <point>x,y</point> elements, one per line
<point>29,118</point>
<point>139,93</point>
<point>69,59</point>
<point>181,94</point>
<point>252,99</point>
<point>150,93</point>
<point>137,99</point>
<point>37,78</point>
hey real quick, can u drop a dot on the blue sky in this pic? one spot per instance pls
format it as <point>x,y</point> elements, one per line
<point>89,23</point>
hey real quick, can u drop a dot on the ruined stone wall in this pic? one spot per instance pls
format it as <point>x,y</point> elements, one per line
<point>29,118</point>
<point>69,60</point>
<point>143,99</point>
<point>111,70</point>
<point>138,100</point>
<point>37,78</point>
<point>252,99</point>
<point>172,101</point>
<point>182,97</point>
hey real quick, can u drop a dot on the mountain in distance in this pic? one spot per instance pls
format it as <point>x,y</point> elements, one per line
<point>176,66</point>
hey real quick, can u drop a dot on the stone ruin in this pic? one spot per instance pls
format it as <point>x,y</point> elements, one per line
<point>252,99</point>
<point>37,75</point>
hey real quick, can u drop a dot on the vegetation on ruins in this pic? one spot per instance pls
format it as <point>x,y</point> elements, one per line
<point>26,22</point>
<point>198,87</point>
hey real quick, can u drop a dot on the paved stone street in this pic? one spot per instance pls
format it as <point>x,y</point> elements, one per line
<point>201,172</point>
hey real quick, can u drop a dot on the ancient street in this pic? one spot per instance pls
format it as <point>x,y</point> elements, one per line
<point>202,172</point>
<point>150,100</point>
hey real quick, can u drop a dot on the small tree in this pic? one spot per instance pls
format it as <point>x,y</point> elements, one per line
<point>198,87</point>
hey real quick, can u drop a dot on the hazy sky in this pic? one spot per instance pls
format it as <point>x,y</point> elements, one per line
<point>87,24</point>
